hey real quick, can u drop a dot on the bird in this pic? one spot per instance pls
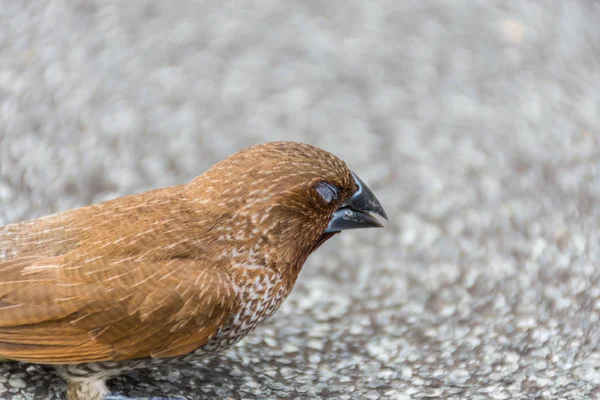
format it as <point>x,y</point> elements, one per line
<point>173,274</point>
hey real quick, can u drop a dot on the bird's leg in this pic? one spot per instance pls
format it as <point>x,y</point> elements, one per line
<point>89,389</point>
<point>95,389</point>
<point>121,397</point>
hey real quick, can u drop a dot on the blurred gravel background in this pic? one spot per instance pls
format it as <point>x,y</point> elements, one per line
<point>476,123</point>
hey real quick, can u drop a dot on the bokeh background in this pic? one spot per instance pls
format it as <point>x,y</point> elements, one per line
<point>476,123</point>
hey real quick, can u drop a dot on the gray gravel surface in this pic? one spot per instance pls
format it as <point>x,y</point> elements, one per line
<point>476,123</point>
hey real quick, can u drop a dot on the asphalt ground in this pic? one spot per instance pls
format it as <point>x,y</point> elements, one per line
<point>475,123</point>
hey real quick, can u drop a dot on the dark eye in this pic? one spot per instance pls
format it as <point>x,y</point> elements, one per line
<point>327,191</point>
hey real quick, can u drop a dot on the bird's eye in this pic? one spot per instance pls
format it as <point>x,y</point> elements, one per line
<point>327,191</point>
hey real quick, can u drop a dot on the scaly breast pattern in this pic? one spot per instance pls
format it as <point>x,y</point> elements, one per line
<point>260,291</point>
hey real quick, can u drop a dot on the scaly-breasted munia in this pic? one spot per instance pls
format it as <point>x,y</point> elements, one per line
<point>174,273</point>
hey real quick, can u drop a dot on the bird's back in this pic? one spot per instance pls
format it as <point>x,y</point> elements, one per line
<point>141,216</point>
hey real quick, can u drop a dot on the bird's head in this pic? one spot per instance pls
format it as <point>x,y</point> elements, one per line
<point>283,199</point>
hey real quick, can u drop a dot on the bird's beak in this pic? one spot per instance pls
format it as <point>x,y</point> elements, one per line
<point>362,210</point>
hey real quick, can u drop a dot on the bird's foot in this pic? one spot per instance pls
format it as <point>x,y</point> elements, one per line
<point>122,397</point>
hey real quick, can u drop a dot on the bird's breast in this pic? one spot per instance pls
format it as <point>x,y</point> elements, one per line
<point>260,292</point>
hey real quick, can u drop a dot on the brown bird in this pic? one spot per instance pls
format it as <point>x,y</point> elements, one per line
<point>171,274</point>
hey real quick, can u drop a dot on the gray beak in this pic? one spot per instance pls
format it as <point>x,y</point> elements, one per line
<point>362,210</point>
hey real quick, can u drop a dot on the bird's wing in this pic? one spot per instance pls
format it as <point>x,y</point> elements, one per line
<point>57,311</point>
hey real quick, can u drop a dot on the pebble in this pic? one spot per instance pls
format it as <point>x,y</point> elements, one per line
<point>17,383</point>
<point>372,395</point>
<point>459,376</point>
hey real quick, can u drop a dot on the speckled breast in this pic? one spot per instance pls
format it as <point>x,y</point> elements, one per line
<point>260,291</point>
